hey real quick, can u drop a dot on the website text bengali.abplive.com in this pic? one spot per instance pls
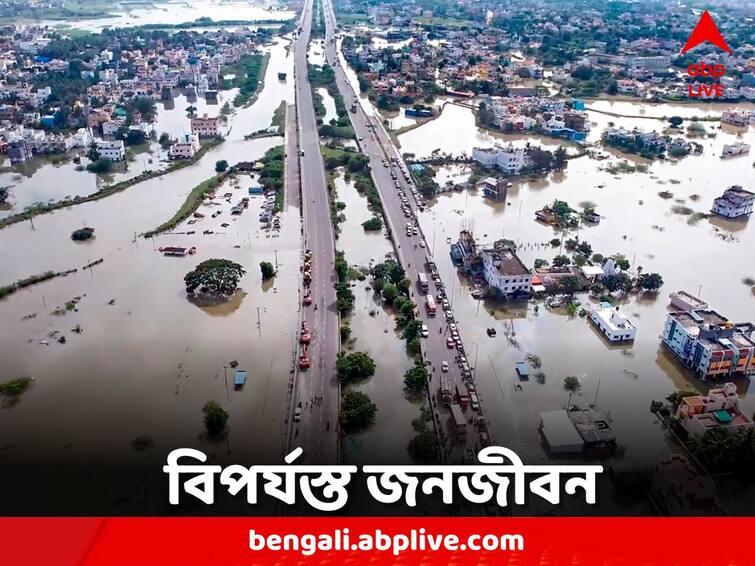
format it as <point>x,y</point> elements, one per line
<point>343,540</point>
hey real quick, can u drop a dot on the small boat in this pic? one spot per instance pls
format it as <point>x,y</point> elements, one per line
<point>240,379</point>
<point>491,332</point>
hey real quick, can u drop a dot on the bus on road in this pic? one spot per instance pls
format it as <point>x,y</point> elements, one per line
<point>459,422</point>
<point>430,305</point>
<point>422,282</point>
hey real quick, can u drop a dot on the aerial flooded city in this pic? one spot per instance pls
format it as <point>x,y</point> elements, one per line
<point>387,233</point>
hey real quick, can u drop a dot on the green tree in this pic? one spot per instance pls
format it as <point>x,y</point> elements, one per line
<point>390,293</point>
<point>373,224</point>
<point>539,262</point>
<point>618,282</point>
<point>221,166</point>
<point>353,366</point>
<point>676,121</point>
<point>215,418</point>
<point>345,298</point>
<point>268,270</point>
<point>650,281</point>
<point>345,332</point>
<point>415,378</point>
<point>218,277</point>
<point>561,261</point>
<point>555,242</point>
<point>357,412</point>
<point>621,262</point>
<point>423,447</point>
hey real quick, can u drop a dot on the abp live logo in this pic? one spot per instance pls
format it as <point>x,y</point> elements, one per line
<point>706,30</point>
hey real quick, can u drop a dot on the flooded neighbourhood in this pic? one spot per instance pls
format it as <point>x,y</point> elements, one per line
<point>123,360</point>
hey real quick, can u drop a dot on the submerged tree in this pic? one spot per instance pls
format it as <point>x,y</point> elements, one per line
<point>217,277</point>
<point>215,419</point>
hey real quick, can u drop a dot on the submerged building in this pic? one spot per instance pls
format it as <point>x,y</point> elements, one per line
<point>734,203</point>
<point>709,344</point>
<point>719,409</point>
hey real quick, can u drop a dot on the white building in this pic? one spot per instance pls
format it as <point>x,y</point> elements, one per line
<point>81,138</point>
<point>112,150</point>
<point>504,271</point>
<point>111,127</point>
<point>205,127</point>
<point>185,147</point>
<point>737,117</point>
<point>737,148</point>
<point>508,159</point>
<point>613,323</point>
<point>735,202</point>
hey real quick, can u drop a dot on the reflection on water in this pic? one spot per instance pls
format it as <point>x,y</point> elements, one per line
<point>373,331</point>
<point>176,13</point>
<point>635,222</point>
<point>227,307</point>
<point>146,360</point>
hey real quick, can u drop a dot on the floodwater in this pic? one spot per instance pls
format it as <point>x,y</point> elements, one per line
<point>42,179</point>
<point>373,331</point>
<point>177,13</point>
<point>329,104</point>
<point>710,257</point>
<point>147,359</point>
<point>455,132</point>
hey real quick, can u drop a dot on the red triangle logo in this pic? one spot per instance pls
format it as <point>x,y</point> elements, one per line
<point>706,30</point>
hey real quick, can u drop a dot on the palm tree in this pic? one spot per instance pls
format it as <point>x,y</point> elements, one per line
<point>715,448</point>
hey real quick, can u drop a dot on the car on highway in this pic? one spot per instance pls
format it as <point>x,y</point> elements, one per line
<point>297,414</point>
<point>421,243</point>
<point>450,343</point>
<point>452,327</point>
<point>425,331</point>
<point>444,366</point>
<point>415,231</point>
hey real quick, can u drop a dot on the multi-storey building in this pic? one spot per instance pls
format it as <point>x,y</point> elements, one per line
<point>735,202</point>
<point>506,273</point>
<point>709,344</point>
<point>112,150</point>
<point>508,159</point>
<point>205,127</point>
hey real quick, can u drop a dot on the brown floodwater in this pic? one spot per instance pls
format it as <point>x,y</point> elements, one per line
<point>147,359</point>
<point>373,331</point>
<point>710,257</point>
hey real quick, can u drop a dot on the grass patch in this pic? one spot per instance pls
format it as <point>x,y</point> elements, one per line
<point>15,387</point>
<point>190,205</point>
<point>279,116</point>
<point>248,72</point>
<point>271,175</point>
<point>44,208</point>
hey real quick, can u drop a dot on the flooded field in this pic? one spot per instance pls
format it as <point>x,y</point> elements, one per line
<point>178,12</point>
<point>707,256</point>
<point>146,359</point>
<point>329,104</point>
<point>373,331</point>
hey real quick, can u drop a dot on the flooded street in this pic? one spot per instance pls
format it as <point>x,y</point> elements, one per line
<point>373,331</point>
<point>709,256</point>
<point>147,359</point>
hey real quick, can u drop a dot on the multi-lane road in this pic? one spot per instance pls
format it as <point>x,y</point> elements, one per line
<point>316,392</point>
<point>375,142</point>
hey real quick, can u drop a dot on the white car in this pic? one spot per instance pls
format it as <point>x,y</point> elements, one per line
<point>425,331</point>
<point>421,243</point>
<point>297,414</point>
<point>444,366</point>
